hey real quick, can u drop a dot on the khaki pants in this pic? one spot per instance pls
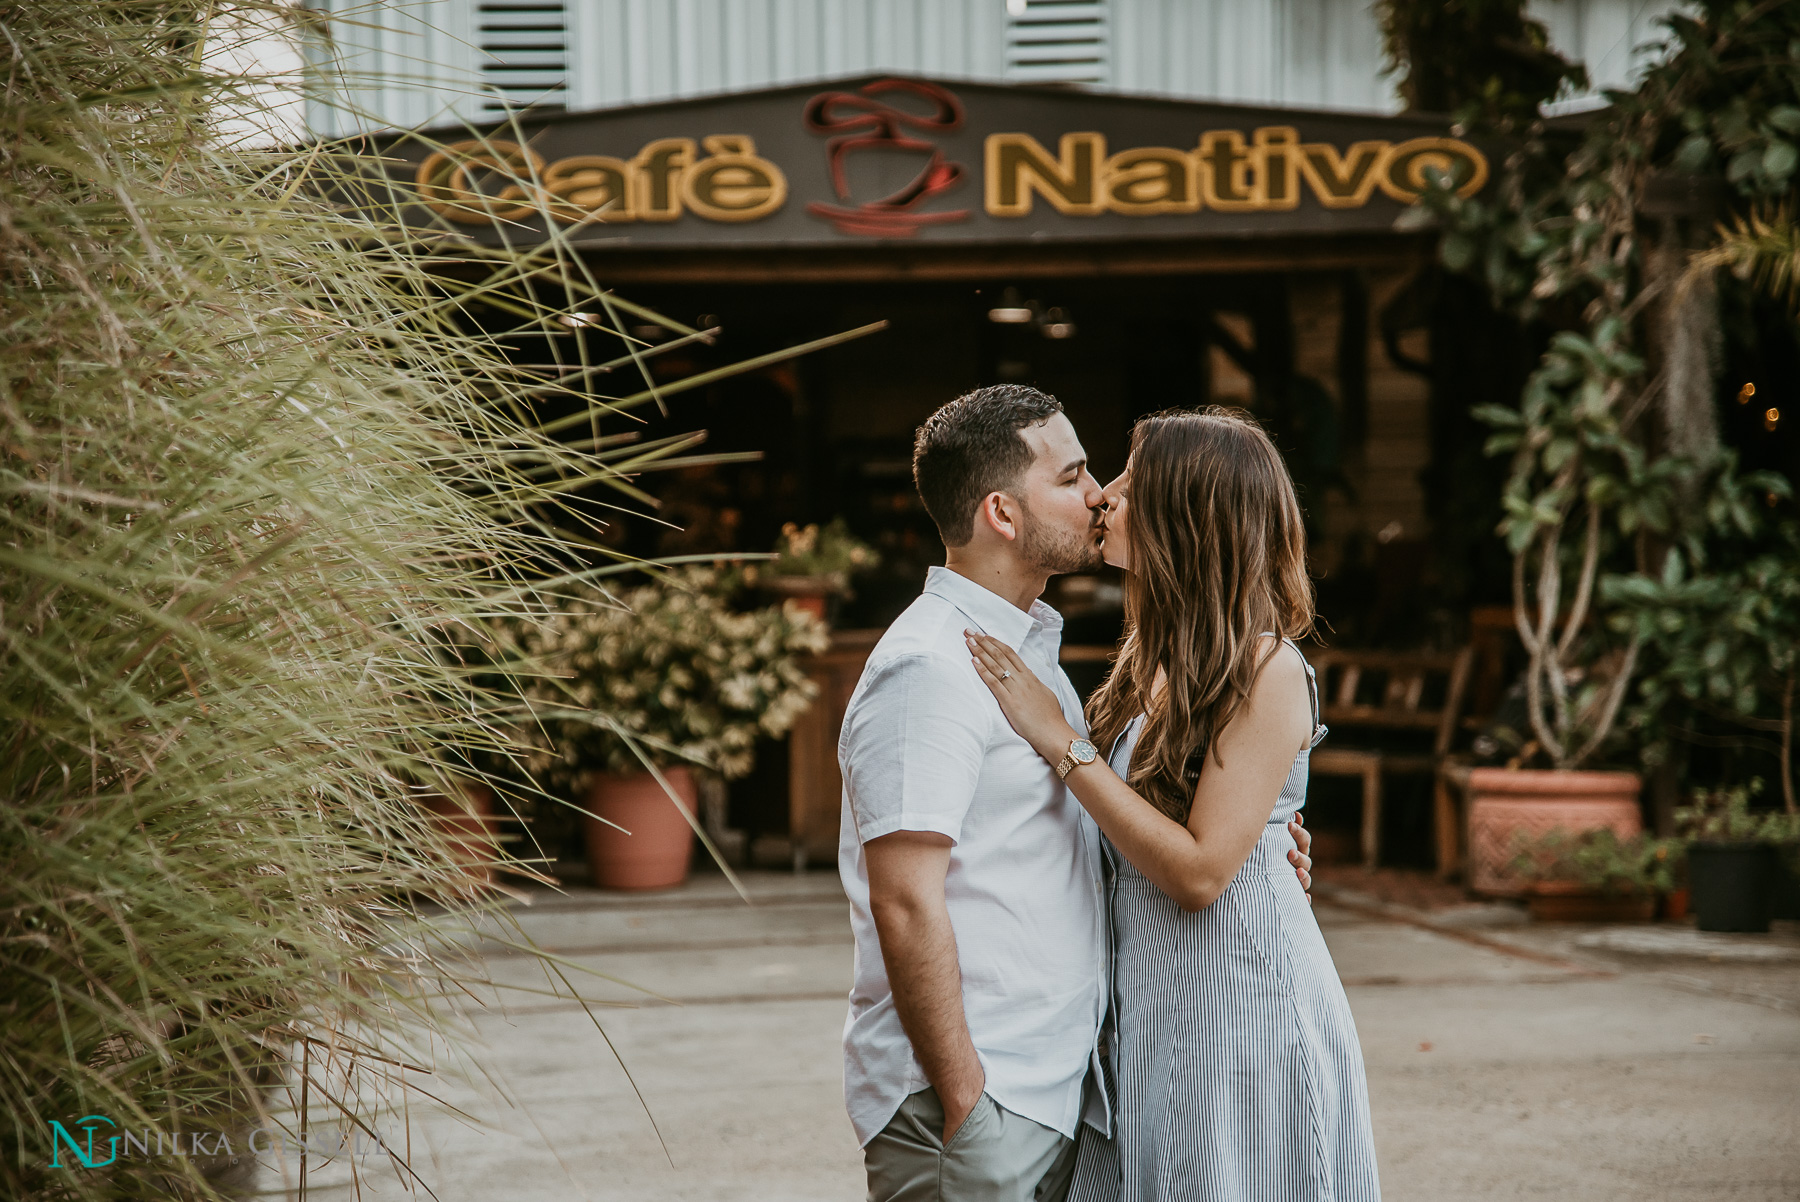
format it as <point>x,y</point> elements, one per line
<point>995,1156</point>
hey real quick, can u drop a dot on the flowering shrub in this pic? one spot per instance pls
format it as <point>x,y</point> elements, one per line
<point>665,672</point>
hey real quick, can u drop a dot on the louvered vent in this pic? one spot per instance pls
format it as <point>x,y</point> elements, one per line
<point>1056,41</point>
<point>524,54</point>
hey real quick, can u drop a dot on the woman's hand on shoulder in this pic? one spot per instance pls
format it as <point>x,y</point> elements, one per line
<point>1033,710</point>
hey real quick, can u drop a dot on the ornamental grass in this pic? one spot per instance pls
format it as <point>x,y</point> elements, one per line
<point>262,480</point>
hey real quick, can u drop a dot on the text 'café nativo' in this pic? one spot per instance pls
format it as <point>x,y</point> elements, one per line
<point>1124,253</point>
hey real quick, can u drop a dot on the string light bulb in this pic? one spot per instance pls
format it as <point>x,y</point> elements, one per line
<point>1745,393</point>
<point>1771,418</point>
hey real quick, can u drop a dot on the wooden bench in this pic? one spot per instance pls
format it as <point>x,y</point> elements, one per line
<point>1387,691</point>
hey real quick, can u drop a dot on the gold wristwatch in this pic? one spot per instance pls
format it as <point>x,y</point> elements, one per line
<point>1080,752</point>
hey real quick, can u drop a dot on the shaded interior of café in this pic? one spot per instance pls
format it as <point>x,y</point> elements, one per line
<point>1365,376</point>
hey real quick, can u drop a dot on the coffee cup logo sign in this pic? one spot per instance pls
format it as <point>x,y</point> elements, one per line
<point>860,121</point>
<point>721,178</point>
<point>477,182</point>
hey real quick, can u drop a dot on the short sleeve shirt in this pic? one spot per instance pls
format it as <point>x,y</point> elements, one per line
<point>925,747</point>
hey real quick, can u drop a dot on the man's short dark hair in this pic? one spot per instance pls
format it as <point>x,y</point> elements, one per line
<point>970,448</point>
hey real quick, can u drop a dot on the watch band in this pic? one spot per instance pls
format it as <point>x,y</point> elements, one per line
<point>1071,761</point>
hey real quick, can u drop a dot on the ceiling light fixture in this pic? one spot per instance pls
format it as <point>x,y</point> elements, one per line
<point>1057,324</point>
<point>1013,310</point>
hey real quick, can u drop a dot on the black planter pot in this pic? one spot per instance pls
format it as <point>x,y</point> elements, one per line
<point>1785,901</point>
<point>1733,885</point>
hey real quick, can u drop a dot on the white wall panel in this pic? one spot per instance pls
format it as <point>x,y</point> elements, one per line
<point>1609,36</point>
<point>1331,56</point>
<point>597,76</point>
<point>401,63</point>
<point>417,62</point>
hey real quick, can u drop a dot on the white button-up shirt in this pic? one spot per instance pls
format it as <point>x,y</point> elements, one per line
<point>925,747</point>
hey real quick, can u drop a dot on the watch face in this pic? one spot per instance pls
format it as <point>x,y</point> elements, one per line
<point>1083,751</point>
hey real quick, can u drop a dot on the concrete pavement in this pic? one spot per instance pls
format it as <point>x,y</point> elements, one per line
<point>1504,1062</point>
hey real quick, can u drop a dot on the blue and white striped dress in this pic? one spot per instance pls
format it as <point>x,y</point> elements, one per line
<point>1236,1072</point>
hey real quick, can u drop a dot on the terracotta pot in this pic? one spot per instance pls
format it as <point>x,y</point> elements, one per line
<point>1585,906</point>
<point>654,855</point>
<point>1505,804</point>
<point>810,593</point>
<point>469,828</point>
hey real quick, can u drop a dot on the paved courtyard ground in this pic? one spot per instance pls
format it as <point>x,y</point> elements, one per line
<point>1505,1061</point>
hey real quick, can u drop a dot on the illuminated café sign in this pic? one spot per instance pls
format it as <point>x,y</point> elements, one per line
<point>900,158</point>
<point>1225,173</point>
<point>724,182</point>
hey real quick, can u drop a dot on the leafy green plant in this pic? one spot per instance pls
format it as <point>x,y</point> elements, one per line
<point>1485,57</point>
<point>1600,860</point>
<point>666,673</point>
<point>830,552</point>
<point>1611,460</point>
<point>260,481</point>
<point>1724,815</point>
<point>1724,643</point>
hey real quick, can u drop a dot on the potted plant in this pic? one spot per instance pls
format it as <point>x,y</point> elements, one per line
<point>813,565</point>
<point>460,814</point>
<point>1595,876</point>
<point>1579,497</point>
<point>640,690</point>
<point>1739,861</point>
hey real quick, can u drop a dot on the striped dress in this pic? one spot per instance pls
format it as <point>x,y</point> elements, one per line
<point>1235,1070</point>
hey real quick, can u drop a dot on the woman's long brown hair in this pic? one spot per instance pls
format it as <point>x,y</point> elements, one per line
<point>1218,558</point>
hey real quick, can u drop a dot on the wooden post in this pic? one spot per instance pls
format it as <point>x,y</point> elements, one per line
<point>815,787</point>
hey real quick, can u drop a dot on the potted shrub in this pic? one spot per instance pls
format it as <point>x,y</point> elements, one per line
<point>1739,862</point>
<point>813,565</point>
<point>1619,604</point>
<point>1596,876</point>
<point>1577,495</point>
<point>1721,631</point>
<point>640,690</point>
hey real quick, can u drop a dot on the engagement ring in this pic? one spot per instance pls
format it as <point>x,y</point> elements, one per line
<point>1005,674</point>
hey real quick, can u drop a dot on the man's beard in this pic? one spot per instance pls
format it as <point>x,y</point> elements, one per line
<point>1057,552</point>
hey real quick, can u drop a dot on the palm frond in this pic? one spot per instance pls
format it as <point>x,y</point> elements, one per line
<point>1762,248</point>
